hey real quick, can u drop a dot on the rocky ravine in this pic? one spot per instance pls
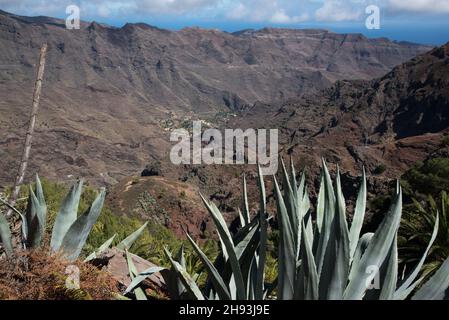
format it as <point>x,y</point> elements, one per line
<point>110,93</point>
<point>393,121</point>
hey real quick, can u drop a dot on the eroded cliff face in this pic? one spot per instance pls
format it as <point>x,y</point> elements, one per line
<point>111,95</point>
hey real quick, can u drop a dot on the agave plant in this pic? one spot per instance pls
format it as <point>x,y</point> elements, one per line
<point>321,258</point>
<point>330,260</point>
<point>70,231</point>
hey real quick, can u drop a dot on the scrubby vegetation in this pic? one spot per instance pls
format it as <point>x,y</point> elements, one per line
<point>428,177</point>
<point>416,232</point>
<point>150,245</point>
<point>34,275</point>
<point>324,259</point>
<point>425,187</point>
<point>318,256</point>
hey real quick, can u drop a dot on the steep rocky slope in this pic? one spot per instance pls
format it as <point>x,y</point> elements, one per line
<point>395,120</point>
<point>385,125</point>
<point>110,93</point>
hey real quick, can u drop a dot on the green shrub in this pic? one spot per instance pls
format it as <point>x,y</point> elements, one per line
<point>381,168</point>
<point>428,177</point>
<point>445,141</point>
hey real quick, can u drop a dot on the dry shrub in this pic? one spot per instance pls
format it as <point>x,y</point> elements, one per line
<point>36,275</point>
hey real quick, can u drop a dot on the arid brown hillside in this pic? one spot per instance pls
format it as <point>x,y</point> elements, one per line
<point>386,125</point>
<point>393,121</point>
<point>110,95</point>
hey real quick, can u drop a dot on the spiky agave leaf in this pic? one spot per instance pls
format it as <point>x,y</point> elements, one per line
<point>389,272</point>
<point>320,205</point>
<point>100,249</point>
<point>335,269</point>
<point>76,236</point>
<point>5,235</point>
<point>188,282</point>
<point>246,214</point>
<point>409,284</point>
<point>36,213</point>
<point>437,288</point>
<point>138,292</point>
<point>307,279</point>
<point>377,250</point>
<point>292,205</point>
<point>328,218</point>
<point>142,277</point>
<point>287,249</point>
<point>214,274</point>
<point>127,243</point>
<point>66,215</point>
<point>359,216</point>
<point>228,244</point>
<point>262,252</point>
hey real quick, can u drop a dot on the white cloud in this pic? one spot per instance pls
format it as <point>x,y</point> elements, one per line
<point>428,6</point>
<point>109,7</point>
<point>274,11</point>
<point>336,10</point>
<point>256,11</point>
<point>282,18</point>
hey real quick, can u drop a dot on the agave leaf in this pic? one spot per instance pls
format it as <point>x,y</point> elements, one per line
<point>328,218</point>
<point>252,279</point>
<point>389,273</point>
<point>36,227</point>
<point>41,209</point>
<point>360,250</point>
<point>181,259</point>
<point>307,219</point>
<point>305,204</point>
<point>40,193</point>
<point>226,239</point>
<point>186,279</point>
<point>292,205</point>
<point>127,243</point>
<point>404,294</point>
<point>243,232</point>
<point>66,216</point>
<point>78,232</point>
<point>293,181</point>
<point>174,283</point>
<point>359,216</point>
<point>307,281</point>
<point>377,250</point>
<point>241,218</point>
<point>437,287</point>
<point>335,270</point>
<point>287,250</point>
<point>217,280</point>
<point>242,247</point>
<point>320,204</point>
<point>142,277</point>
<point>246,252</point>
<point>100,249</point>
<point>140,294</point>
<point>262,252</point>
<point>30,213</point>
<point>246,215</point>
<point>302,185</point>
<point>5,235</point>
<point>401,291</point>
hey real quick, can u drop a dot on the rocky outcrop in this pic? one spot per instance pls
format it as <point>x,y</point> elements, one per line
<point>107,91</point>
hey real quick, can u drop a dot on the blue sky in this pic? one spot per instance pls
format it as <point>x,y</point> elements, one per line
<point>424,21</point>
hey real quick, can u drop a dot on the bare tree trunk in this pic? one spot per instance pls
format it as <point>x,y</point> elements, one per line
<point>29,135</point>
